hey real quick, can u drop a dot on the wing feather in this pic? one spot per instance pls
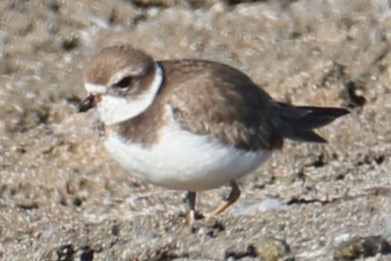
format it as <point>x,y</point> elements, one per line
<point>223,103</point>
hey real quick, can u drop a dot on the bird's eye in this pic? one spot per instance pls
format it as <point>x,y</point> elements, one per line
<point>124,83</point>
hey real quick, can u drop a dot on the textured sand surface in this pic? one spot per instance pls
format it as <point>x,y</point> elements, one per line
<point>63,198</point>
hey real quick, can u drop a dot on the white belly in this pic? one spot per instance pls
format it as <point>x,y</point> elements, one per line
<point>185,161</point>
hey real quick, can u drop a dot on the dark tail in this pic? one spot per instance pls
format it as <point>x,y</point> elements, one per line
<point>298,122</point>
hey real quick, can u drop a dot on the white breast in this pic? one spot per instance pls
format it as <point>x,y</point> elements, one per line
<point>185,161</point>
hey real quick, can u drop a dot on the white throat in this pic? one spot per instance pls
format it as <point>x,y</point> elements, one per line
<point>113,109</point>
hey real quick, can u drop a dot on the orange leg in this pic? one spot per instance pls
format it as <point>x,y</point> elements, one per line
<point>191,201</point>
<point>232,198</point>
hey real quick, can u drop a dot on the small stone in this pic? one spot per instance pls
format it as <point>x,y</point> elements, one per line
<point>268,249</point>
<point>361,247</point>
<point>272,249</point>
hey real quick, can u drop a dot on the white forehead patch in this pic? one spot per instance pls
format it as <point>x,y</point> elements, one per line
<point>95,88</point>
<point>114,109</point>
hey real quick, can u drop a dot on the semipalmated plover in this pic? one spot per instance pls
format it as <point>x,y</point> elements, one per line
<point>191,125</point>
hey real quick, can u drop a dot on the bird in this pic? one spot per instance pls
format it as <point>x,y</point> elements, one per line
<point>189,124</point>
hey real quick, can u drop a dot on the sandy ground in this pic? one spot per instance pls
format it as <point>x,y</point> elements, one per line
<point>63,198</point>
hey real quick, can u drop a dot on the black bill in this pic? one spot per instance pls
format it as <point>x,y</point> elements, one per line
<point>87,104</point>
